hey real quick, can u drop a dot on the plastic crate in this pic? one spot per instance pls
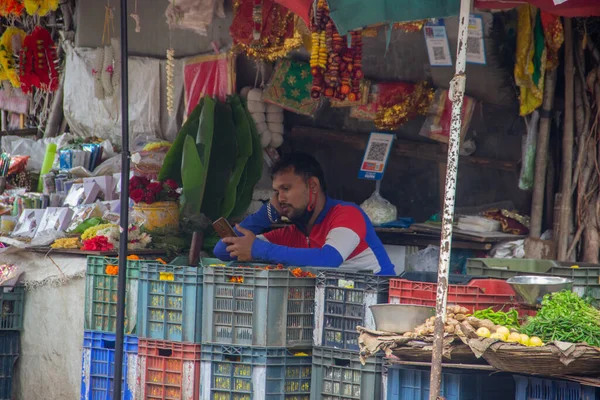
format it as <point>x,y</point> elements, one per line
<point>98,366</point>
<point>9,353</point>
<point>11,304</point>
<point>342,304</point>
<point>246,373</point>
<point>339,375</point>
<point>257,307</point>
<point>530,388</point>
<point>101,296</point>
<point>432,277</point>
<point>169,370</point>
<point>406,383</point>
<point>507,268</point>
<point>479,294</point>
<point>170,303</point>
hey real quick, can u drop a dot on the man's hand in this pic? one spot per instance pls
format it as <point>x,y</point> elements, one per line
<point>241,247</point>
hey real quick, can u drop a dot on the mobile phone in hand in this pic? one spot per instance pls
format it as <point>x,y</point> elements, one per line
<point>223,228</point>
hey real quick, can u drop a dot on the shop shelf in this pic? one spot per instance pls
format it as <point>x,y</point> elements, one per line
<point>101,296</point>
<point>530,388</point>
<point>249,306</point>
<point>246,373</point>
<point>169,370</point>
<point>406,383</point>
<point>98,366</point>
<point>170,303</point>
<point>479,294</point>
<point>343,301</point>
<point>432,277</point>
<point>507,268</point>
<point>9,353</point>
<point>339,375</point>
<point>11,304</point>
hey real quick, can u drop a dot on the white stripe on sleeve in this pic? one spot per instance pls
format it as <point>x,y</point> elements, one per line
<point>344,240</point>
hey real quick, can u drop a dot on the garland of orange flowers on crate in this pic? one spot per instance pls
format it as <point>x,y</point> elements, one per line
<point>336,67</point>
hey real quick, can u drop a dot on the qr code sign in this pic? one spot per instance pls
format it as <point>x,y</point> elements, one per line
<point>377,151</point>
<point>473,45</point>
<point>438,54</point>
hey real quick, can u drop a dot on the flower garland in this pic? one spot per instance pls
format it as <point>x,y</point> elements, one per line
<point>136,238</point>
<point>336,66</point>
<point>8,68</point>
<point>40,7</point>
<point>97,243</point>
<point>66,243</point>
<point>169,70</point>
<point>144,191</point>
<point>92,232</point>
<point>10,8</point>
<point>404,107</point>
<point>37,62</point>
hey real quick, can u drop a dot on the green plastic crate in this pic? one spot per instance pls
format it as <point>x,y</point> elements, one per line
<point>101,295</point>
<point>507,268</point>
<point>11,304</point>
<point>339,375</point>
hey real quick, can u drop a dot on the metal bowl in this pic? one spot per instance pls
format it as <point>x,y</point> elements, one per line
<point>530,290</point>
<point>400,318</point>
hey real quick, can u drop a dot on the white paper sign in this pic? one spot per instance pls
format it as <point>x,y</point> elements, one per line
<point>376,156</point>
<point>475,41</point>
<point>438,47</point>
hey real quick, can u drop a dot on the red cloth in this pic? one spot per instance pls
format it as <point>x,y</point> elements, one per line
<point>570,8</point>
<point>211,75</point>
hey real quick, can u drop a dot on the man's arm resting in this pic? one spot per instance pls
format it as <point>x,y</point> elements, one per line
<point>327,256</point>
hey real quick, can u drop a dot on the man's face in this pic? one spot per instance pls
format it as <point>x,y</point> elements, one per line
<point>292,192</point>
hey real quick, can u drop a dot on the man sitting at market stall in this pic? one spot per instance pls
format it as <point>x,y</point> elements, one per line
<point>324,232</point>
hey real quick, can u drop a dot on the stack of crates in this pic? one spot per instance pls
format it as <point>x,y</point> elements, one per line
<point>98,356</point>
<point>342,303</point>
<point>257,333</point>
<point>170,331</point>
<point>11,323</point>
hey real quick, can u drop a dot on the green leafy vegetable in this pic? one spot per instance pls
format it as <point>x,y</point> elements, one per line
<point>508,319</point>
<point>565,317</point>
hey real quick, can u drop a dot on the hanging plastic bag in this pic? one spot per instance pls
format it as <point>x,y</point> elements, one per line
<point>379,210</point>
<point>529,148</point>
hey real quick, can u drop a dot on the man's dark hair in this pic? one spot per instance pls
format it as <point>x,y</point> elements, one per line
<point>301,164</point>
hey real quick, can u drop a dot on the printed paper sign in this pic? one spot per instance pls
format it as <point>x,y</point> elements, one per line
<point>438,47</point>
<point>376,156</point>
<point>475,41</point>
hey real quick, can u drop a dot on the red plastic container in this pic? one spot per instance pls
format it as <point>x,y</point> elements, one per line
<point>479,294</point>
<point>169,370</point>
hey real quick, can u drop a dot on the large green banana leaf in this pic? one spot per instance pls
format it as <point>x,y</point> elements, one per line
<point>222,160</point>
<point>191,168</point>
<point>252,173</point>
<point>244,147</point>
<point>171,168</point>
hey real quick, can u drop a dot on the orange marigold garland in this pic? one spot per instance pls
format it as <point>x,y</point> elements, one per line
<point>37,62</point>
<point>336,67</point>
<point>11,8</point>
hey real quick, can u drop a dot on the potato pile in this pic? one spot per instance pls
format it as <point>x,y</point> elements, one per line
<point>455,315</point>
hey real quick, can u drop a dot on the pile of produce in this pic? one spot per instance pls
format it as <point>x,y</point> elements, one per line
<point>566,317</point>
<point>508,319</point>
<point>487,329</point>
<point>455,315</point>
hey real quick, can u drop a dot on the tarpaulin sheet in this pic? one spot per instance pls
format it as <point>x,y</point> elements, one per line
<point>568,8</point>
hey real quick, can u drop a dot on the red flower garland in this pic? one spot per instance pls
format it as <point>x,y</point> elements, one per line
<point>142,190</point>
<point>97,243</point>
<point>37,58</point>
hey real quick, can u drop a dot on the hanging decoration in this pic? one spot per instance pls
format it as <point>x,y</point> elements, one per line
<point>136,18</point>
<point>264,30</point>
<point>11,8</point>
<point>106,70</point>
<point>336,61</point>
<point>404,107</point>
<point>11,43</point>
<point>194,15</point>
<point>170,69</point>
<point>40,8</point>
<point>37,62</point>
<point>530,63</point>
<point>554,35</point>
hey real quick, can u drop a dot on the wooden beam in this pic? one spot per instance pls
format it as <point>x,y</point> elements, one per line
<point>20,132</point>
<point>402,147</point>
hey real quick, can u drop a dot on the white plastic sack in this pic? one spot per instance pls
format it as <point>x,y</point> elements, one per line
<point>35,149</point>
<point>87,116</point>
<point>426,260</point>
<point>379,210</point>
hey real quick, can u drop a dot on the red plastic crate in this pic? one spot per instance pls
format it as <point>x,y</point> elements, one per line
<point>169,370</point>
<point>479,294</point>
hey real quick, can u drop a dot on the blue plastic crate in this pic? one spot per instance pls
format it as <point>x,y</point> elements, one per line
<point>98,366</point>
<point>247,373</point>
<point>9,353</point>
<point>252,306</point>
<point>530,388</point>
<point>170,303</point>
<point>347,297</point>
<point>405,383</point>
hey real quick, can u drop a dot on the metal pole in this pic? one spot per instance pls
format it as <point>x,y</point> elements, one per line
<point>456,93</point>
<point>124,219</point>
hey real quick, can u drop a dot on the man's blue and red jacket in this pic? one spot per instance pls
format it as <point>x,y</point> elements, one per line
<point>341,237</point>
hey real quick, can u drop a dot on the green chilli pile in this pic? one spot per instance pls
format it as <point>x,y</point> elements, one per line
<point>565,317</point>
<point>508,319</point>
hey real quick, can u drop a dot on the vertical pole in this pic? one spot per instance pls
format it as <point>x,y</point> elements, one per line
<point>456,93</point>
<point>124,218</point>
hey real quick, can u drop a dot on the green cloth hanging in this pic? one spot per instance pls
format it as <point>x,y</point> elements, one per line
<point>354,14</point>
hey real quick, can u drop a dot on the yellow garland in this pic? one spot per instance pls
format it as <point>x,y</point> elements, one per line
<point>8,70</point>
<point>93,231</point>
<point>40,7</point>
<point>66,243</point>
